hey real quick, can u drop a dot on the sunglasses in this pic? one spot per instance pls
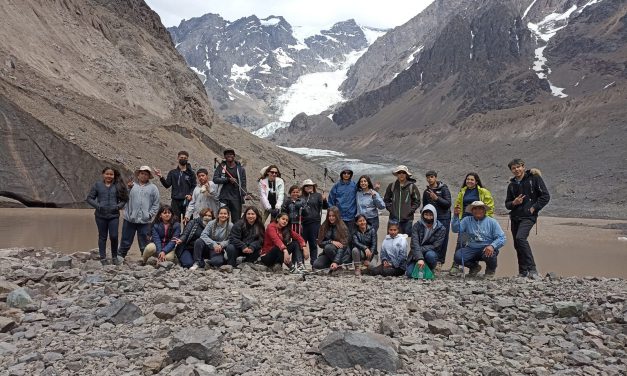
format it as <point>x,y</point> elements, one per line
<point>346,173</point>
<point>273,172</point>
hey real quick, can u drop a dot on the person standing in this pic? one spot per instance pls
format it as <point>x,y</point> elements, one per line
<point>231,177</point>
<point>438,195</point>
<point>293,206</point>
<point>369,201</point>
<point>182,180</point>
<point>205,195</point>
<point>271,191</point>
<point>139,211</point>
<point>526,196</point>
<point>484,239</point>
<point>343,195</point>
<point>402,199</point>
<point>313,203</point>
<point>108,196</point>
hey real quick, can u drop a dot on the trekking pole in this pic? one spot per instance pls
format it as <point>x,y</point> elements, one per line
<point>324,184</point>
<point>215,163</point>
<point>239,186</point>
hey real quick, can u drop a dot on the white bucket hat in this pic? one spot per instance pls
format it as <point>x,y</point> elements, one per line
<point>403,169</point>
<point>477,204</point>
<point>144,168</point>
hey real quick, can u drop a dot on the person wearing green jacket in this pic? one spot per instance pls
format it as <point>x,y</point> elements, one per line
<point>402,199</point>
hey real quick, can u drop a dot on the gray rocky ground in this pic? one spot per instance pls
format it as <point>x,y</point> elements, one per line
<point>69,315</point>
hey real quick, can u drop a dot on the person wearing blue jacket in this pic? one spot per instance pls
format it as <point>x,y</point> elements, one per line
<point>369,201</point>
<point>481,238</point>
<point>343,195</point>
<point>165,232</point>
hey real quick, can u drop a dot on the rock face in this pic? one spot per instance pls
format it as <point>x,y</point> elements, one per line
<point>246,64</point>
<point>200,343</point>
<point>135,102</point>
<point>368,350</point>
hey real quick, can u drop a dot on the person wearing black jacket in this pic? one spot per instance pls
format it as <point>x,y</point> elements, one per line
<point>526,196</point>
<point>313,203</point>
<point>364,243</point>
<point>427,239</point>
<point>246,237</point>
<point>438,195</point>
<point>182,179</point>
<point>230,176</point>
<point>185,243</point>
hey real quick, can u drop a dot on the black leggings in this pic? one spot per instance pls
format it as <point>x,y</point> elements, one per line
<point>275,255</point>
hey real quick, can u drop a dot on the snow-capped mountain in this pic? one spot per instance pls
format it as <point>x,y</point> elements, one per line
<point>259,71</point>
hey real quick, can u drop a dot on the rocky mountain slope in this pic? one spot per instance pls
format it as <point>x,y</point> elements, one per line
<point>88,83</point>
<point>64,315</point>
<point>545,82</point>
<point>246,65</point>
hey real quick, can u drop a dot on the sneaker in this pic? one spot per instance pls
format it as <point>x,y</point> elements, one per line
<point>523,275</point>
<point>532,274</point>
<point>455,270</point>
<point>474,270</point>
<point>489,274</point>
<point>294,269</point>
<point>104,262</point>
<point>120,260</point>
<point>301,267</point>
<point>194,267</point>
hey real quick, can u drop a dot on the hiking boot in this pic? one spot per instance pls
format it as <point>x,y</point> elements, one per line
<point>523,274</point>
<point>474,270</point>
<point>489,274</point>
<point>193,267</point>
<point>104,262</point>
<point>455,270</point>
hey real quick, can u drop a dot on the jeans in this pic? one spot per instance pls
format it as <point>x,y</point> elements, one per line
<point>178,208</point>
<point>351,227</point>
<point>186,258</point>
<point>472,256</point>
<point>373,222</point>
<point>328,256</point>
<point>359,256</point>
<point>520,232</point>
<point>235,207</point>
<point>107,226</point>
<point>404,226</point>
<point>128,235</point>
<point>203,251</point>
<point>431,259</point>
<point>233,253</point>
<point>275,255</point>
<point>310,234</point>
<point>386,272</point>
<point>447,226</point>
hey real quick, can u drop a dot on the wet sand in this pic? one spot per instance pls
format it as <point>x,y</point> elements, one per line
<point>567,246</point>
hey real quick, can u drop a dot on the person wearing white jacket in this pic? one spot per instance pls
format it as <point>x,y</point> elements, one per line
<point>271,191</point>
<point>205,195</point>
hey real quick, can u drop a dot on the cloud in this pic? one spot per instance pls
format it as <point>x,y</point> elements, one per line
<point>321,13</point>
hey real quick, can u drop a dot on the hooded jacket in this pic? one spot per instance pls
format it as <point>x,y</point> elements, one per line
<point>394,251</point>
<point>443,203</point>
<point>480,233</point>
<point>226,189</point>
<point>363,240</point>
<point>264,189</point>
<point>344,196</point>
<point>402,202</point>
<point>182,182</point>
<point>200,200</point>
<point>142,204</point>
<point>245,235</point>
<point>215,234</point>
<point>423,240</point>
<point>535,192</point>
<point>484,195</point>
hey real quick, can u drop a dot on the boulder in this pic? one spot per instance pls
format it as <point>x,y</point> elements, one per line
<point>568,309</point>
<point>346,349</point>
<point>62,262</point>
<point>120,311</point>
<point>19,298</point>
<point>200,343</point>
<point>443,327</point>
<point>165,311</point>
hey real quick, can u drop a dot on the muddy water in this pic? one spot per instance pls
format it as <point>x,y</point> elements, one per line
<point>562,245</point>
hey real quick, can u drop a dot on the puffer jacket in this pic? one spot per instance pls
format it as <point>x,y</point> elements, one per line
<point>330,236</point>
<point>394,250</point>
<point>443,203</point>
<point>420,242</point>
<point>244,235</point>
<point>368,239</point>
<point>536,195</point>
<point>191,233</point>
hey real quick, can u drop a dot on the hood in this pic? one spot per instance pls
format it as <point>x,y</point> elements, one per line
<point>346,168</point>
<point>431,208</point>
<point>438,186</point>
<point>528,173</point>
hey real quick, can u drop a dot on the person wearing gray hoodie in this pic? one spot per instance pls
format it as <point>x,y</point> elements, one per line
<point>213,241</point>
<point>427,238</point>
<point>139,211</point>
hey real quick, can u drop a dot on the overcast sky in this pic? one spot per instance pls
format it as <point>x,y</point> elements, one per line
<point>312,13</point>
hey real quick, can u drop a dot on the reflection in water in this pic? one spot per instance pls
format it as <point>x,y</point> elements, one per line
<point>584,249</point>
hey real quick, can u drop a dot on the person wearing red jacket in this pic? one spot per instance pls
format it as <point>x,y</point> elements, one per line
<point>281,244</point>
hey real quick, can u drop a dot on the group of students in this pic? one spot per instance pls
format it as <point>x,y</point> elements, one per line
<point>205,221</point>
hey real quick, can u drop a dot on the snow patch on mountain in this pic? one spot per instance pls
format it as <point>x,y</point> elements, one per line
<point>270,21</point>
